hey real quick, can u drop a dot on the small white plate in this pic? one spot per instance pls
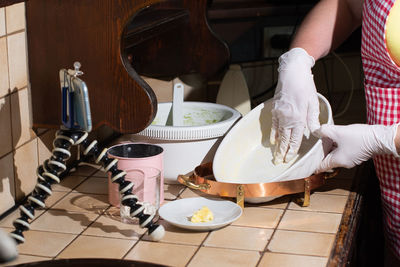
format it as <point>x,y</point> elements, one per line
<point>180,211</point>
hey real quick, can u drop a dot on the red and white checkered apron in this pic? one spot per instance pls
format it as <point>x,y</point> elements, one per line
<point>382,92</point>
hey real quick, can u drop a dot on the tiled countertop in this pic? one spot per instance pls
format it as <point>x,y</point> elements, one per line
<point>79,223</point>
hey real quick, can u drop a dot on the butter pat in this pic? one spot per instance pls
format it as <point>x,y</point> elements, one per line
<point>202,215</point>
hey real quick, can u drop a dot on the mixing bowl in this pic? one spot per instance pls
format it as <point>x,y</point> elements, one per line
<point>245,155</point>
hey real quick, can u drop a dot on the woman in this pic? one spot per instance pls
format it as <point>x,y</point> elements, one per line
<point>296,104</point>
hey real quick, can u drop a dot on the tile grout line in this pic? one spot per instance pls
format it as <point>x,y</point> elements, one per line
<point>74,187</point>
<point>297,254</point>
<point>141,237</point>
<point>16,90</point>
<point>78,235</point>
<point>136,243</point>
<point>13,32</point>
<point>273,228</point>
<point>28,254</point>
<point>227,248</point>
<point>66,194</point>
<point>273,233</point>
<point>316,211</point>
<point>302,231</point>
<point>9,90</point>
<point>55,257</point>
<point>198,248</point>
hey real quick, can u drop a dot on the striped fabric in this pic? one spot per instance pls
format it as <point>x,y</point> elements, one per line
<point>382,92</point>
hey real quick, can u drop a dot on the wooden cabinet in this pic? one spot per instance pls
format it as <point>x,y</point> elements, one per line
<point>115,41</point>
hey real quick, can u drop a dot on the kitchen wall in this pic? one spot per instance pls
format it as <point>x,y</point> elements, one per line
<point>22,148</point>
<point>18,143</point>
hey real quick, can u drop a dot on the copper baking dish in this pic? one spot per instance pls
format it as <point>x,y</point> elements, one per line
<point>203,179</point>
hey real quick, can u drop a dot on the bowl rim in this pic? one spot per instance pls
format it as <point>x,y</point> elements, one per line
<point>200,132</point>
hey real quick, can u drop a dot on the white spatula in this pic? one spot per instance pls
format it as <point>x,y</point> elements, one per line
<point>177,105</point>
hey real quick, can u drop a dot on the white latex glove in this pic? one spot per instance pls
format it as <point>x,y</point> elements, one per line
<point>355,143</point>
<point>296,104</point>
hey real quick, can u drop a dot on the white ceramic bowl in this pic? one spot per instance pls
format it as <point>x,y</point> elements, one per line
<point>186,147</point>
<point>245,154</point>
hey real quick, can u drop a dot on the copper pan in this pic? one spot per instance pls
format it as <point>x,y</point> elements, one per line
<point>203,179</point>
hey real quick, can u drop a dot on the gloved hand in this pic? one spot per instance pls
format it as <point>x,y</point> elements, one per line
<point>355,143</point>
<point>296,104</point>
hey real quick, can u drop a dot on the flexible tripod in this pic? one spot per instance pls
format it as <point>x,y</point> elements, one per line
<point>76,125</point>
<point>48,174</point>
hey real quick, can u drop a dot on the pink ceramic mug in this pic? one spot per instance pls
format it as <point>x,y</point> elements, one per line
<point>144,166</point>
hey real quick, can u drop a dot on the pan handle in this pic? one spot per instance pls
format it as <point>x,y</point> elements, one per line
<point>186,180</point>
<point>333,173</point>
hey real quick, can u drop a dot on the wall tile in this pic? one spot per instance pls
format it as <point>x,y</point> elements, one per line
<point>4,85</point>
<point>2,21</point>
<point>7,189</point>
<point>15,17</point>
<point>17,60</point>
<point>45,145</point>
<point>5,126</point>
<point>25,162</point>
<point>21,116</point>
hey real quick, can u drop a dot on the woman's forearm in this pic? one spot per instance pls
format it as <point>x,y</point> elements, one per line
<point>327,25</point>
<point>397,140</point>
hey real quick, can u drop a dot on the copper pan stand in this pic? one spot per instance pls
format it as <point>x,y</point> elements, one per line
<point>203,179</point>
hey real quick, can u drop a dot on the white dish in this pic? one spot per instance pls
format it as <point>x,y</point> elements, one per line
<point>245,154</point>
<point>179,212</point>
<point>186,147</point>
